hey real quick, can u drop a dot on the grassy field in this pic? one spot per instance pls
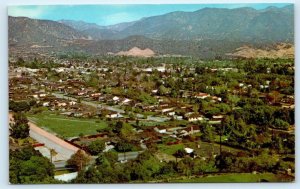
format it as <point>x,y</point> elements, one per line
<point>240,177</point>
<point>206,149</point>
<point>170,149</point>
<point>65,126</point>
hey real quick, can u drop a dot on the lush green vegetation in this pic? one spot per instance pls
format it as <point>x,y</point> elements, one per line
<point>171,149</point>
<point>96,147</point>
<point>20,127</point>
<point>240,177</point>
<point>28,166</point>
<point>247,125</point>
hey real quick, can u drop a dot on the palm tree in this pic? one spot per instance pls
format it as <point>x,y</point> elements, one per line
<point>52,153</point>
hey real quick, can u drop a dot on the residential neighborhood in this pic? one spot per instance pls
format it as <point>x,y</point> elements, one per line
<point>166,93</point>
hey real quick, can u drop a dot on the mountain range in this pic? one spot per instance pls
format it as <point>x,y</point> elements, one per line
<point>206,32</point>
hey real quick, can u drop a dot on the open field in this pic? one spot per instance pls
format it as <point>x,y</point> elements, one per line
<point>235,177</point>
<point>206,149</point>
<point>65,126</point>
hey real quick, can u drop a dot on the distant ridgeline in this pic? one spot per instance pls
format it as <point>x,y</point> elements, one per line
<point>207,33</point>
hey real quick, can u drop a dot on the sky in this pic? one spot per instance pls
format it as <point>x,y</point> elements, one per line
<point>113,14</point>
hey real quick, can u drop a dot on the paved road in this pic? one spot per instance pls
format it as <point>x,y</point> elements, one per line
<point>93,104</point>
<point>64,149</point>
<point>60,165</point>
<point>114,109</point>
<point>128,155</point>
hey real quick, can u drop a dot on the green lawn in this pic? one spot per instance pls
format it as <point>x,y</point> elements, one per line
<point>206,149</point>
<point>238,177</point>
<point>170,149</point>
<point>66,126</point>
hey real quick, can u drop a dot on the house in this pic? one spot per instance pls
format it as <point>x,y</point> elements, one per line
<point>78,114</point>
<point>46,104</point>
<point>160,130</point>
<point>154,91</point>
<point>216,98</point>
<point>114,115</point>
<point>147,70</point>
<point>161,69</point>
<point>167,110</point>
<point>126,101</point>
<point>171,113</point>
<point>193,129</point>
<point>42,95</point>
<point>201,95</point>
<point>264,86</point>
<point>72,103</point>
<point>188,150</point>
<point>108,147</point>
<point>178,117</point>
<point>95,94</point>
<point>288,106</point>
<point>217,117</point>
<point>191,117</point>
<point>116,99</point>
<point>59,104</point>
<point>81,93</point>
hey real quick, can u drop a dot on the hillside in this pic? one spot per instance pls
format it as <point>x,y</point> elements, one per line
<point>207,33</point>
<point>281,50</point>
<point>242,24</point>
<point>135,51</point>
<point>24,30</point>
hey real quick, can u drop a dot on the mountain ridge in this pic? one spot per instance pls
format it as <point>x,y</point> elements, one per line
<point>208,32</point>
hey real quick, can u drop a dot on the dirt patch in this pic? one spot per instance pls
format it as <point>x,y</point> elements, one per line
<point>135,51</point>
<point>281,50</point>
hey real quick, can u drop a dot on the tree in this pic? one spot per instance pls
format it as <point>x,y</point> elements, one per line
<point>96,147</point>
<point>147,98</point>
<point>185,166</point>
<point>20,127</point>
<point>281,124</point>
<point>162,90</point>
<point>225,161</point>
<point>207,133</point>
<point>111,157</point>
<point>124,146</point>
<point>117,128</point>
<point>52,153</point>
<point>36,169</point>
<point>127,132</point>
<point>28,166</point>
<point>79,160</point>
<point>19,106</point>
<point>180,153</point>
<point>233,100</point>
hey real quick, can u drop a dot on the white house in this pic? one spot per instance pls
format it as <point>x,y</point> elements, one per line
<point>188,150</point>
<point>126,101</point>
<point>46,104</point>
<point>116,115</point>
<point>115,98</point>
<point>72,103</point>
<point>160,130</point>
<point>61,104</point>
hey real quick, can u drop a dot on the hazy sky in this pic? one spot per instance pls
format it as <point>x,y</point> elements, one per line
<point>113,14</point>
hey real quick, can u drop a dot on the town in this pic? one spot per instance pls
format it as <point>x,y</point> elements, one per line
<point>108,119</point>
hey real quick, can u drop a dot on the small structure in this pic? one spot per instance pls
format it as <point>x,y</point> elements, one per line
<point>66,177</point>
<point>188,150</point>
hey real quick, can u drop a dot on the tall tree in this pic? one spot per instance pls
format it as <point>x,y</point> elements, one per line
<point>19,128</point>
<point>79,160</point>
